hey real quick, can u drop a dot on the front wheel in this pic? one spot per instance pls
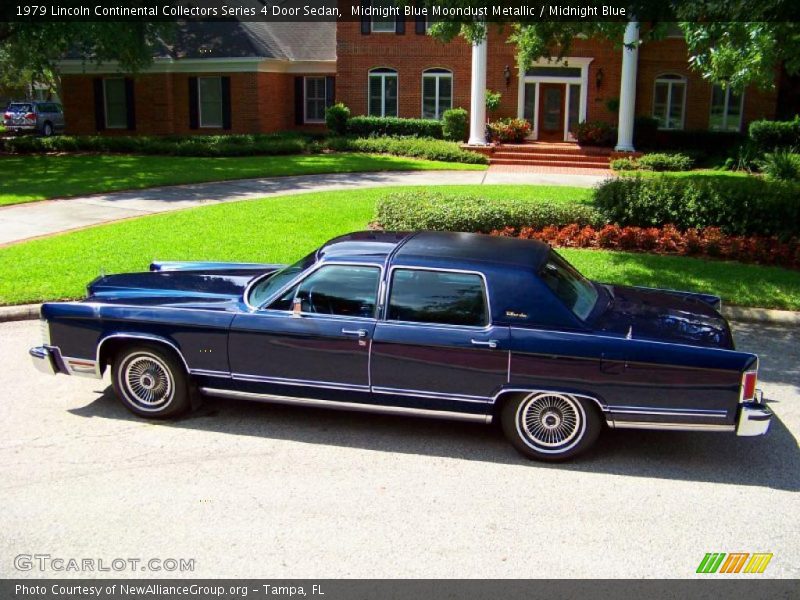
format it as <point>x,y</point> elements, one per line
<point>151,382</point>
<point>47,130</point>
<point>550,426</point>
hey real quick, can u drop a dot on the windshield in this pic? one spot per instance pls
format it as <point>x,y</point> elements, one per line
<point>572,288</point>
<point>267,287</point>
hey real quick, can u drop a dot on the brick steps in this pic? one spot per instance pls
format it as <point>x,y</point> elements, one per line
<point>571,157</point>
<point>542,154</point>
<point>535,162</point>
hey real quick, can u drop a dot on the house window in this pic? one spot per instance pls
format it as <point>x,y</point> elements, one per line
<point>115,104</point>
<point>437,93</point>
<point>726,109</point>
<point>669,101</point>
<point>314,100</point>
<point>210,101</point>
<point>386,24</point>
<point>383,93</point>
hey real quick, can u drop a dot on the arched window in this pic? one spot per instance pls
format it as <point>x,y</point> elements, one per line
<point>383,92</point>
<point>437,93</point>
<point>669,101</point>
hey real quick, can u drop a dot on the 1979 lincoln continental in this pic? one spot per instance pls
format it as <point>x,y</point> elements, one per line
<point>449,325</point>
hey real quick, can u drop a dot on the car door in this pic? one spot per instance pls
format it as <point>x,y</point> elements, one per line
<point>436,347</point>
<point>314,339</point>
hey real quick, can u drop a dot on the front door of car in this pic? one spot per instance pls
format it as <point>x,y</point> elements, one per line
<point>436,347</point>
<point>314,339</point>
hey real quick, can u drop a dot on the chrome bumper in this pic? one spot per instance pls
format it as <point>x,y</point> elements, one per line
<point>44,359</point>
<point>754,417</point>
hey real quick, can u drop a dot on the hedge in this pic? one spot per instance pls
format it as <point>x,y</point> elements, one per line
<point>378,126</point>
<point>769,135</point>
<point>701,140</point>
<point>655,161</point>
<point>739,206</point>
<point>414,147</point>
<point>422,209</point>
<point>455,125</point>
<point>195,145</point>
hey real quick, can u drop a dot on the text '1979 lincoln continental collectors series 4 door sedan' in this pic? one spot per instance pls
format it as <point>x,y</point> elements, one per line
<point>449,325</point>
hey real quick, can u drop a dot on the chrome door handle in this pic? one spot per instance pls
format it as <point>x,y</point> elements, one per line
<point>362,333</point>
<point>490,343</point>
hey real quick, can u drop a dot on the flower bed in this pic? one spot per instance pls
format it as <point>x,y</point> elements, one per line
<point>707,242</point>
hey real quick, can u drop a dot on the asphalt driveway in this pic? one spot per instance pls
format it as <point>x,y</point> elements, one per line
<point>273,491</point>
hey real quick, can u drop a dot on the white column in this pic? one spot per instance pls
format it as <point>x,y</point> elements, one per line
<point>477,104</point>
<point>627,90</point>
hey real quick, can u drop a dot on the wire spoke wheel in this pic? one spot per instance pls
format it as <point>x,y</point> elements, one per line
<point>148,382</point>
<point>549,422</point>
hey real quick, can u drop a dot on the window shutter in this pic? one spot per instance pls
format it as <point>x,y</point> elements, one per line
<point>99,108</point>
<point>366,22</point>
<point>298,100</point>
<point>226,102</point>
<point>130,105</point>
<point>400,24</point>
<point>419,25</point>
<point>330,91</point>
<point>194,99</point>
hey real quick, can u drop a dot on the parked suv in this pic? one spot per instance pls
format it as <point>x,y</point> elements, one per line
<point>46,118</point>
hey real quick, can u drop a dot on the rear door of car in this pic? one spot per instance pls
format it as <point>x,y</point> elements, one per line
<point>435,346</point>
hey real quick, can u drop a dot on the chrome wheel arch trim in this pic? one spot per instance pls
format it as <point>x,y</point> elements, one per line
<point>137,336</point>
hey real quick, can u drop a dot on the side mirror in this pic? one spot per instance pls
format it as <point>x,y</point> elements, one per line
<point>297,307</point>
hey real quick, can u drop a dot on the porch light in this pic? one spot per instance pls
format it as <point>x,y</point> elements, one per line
<point>507,75</point>
<point>598,78</point>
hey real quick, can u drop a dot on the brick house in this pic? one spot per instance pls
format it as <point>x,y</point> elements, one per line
<point>263,77</point>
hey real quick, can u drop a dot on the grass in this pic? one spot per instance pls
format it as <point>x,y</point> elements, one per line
<point>39,177</point>
<point>283,229</point>
<point>684,174</point>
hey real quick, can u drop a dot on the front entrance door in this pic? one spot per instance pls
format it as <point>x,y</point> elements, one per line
<point>551,111</point>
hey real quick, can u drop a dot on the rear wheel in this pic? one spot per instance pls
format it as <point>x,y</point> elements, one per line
<point>47,130</point>
<point>550,426</point>
<point>151,382</point>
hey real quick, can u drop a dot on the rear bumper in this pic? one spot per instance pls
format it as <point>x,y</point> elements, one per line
<point>14,128</point>
<point>754,417</point>
<point>45,359</point>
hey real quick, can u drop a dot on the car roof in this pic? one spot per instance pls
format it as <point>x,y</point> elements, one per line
<point>445,246</point>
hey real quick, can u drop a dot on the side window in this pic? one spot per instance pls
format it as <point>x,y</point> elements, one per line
<point>438,297</point>
<point>335,290</point>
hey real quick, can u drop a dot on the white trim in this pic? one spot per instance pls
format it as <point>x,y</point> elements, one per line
<point>105,103</point>
<point>725,107</point>
<point>582,62</point>
<point>203,65</point>
<point>305,97</point>
<point>436,76</point>
<point>200,105</point>
<point>383,76</point>
<point>670,83</point>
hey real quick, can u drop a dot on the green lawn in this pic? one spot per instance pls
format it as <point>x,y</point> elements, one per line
<point>38,177</point>
<point>283,229</point>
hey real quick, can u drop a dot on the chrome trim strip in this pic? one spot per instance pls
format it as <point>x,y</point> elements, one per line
<point>675,412</point>
<point>434,395</point>
<point>210,373</point>
<point>671,426</point>
<point>355,406</point>
<point>138,336</point>
<point>301,382</point>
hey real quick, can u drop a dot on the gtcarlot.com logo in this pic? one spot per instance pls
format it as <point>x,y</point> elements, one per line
<point>734,562</point>
<point>46,562</point>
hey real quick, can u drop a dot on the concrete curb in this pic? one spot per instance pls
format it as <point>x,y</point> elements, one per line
<point>23,312</point>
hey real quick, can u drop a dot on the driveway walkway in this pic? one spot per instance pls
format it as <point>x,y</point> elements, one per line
<point>37,219</point>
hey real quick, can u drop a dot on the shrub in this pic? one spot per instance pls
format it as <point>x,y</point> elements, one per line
<point>645,132</point>
<point>493,100</point>
<point>455,125</point>
<point>768,135</point>
<point>362,126</point>
<point>595,133</point>
<point>336,117</point>
<point>624,164</point>
<point>423,209</point>
<point>700,140</point>
<point>509,130</point>
<point>407,146</point>
<point>781,164</point>
<point>660,161</point>
<point>739,206</point>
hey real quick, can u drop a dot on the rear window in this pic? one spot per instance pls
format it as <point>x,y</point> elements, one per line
<point>19,107</point>
<point>443,297</point>
<point>572,288</point>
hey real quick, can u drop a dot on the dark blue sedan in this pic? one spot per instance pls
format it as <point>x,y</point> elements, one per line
<point>444,325</point>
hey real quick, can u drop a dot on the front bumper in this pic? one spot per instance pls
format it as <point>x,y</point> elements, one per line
<point>45,359</point>
<point>754,417</point>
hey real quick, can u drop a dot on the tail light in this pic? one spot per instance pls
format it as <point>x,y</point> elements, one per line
<point>30,117</point>
<point>749,381</point>
<point>7,115</point>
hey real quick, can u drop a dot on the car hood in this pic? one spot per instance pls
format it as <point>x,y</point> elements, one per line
<point>667,316</point>
<point>209,289</point>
